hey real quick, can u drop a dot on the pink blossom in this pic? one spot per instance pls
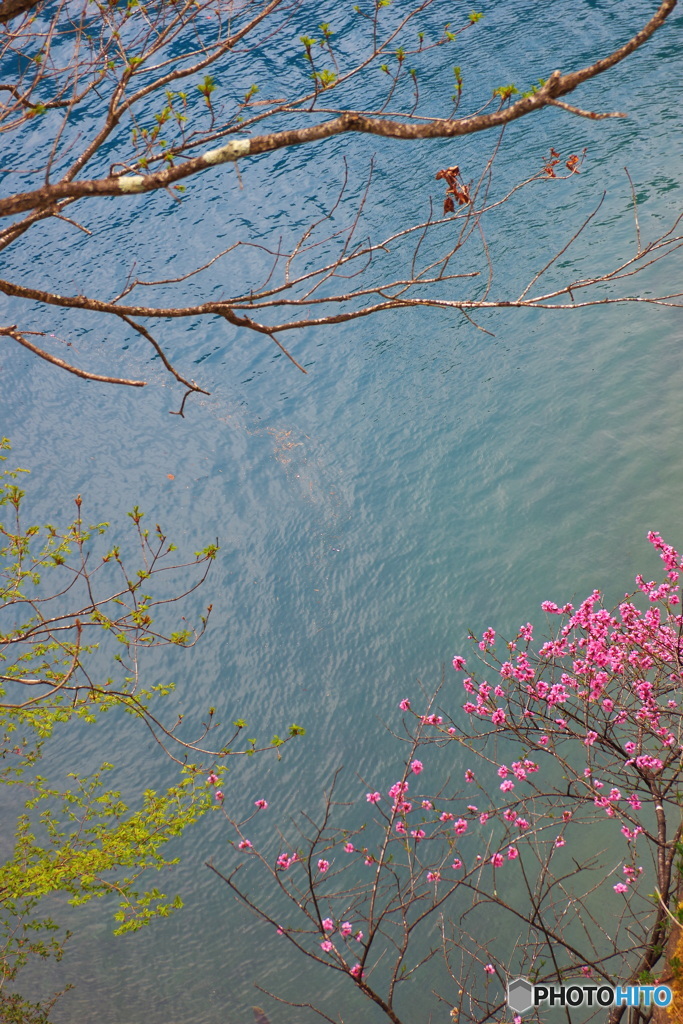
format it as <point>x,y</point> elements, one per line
<point>591,737</point>
<point>261,804</point>
<point>483,818</point>
<point>620,887</point>
<point>503,771</point>
<point>219,795</point>
<point>498,717</point>
<point>369,861</point>
<point>405,705</point>
<point>244,845</point>
<point>428,805</point>
<point>560,841</point>
<point>349,848</point>
<point>460,826</point>
<point>416,767</point>
<point>542,741</point>
<point>457,864</point>
<point>358,936</point>
<point>356,971</point>
<point>513,853</point>
<point>345,928</point>
<point>284,861</point>
<point>323,865</point>
<point>469,775</point>
<point>490,969</point>
<point>431,719</point>
<point>433,876</point>
<point>373,798</point>
<point>328,924</point>
<point>497,860</point>
<point>446,816</point>
<point>458,663</point>
<point>418,834</point>
<point>507,785</point>
<point>634,802</point>
<point>279,931</point>
<point>649,763</point>
<point>398,789</point>
<point>400,828</point>
<point>212,779</point>
<point>326,946</point>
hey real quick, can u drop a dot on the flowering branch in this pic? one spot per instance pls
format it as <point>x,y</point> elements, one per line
<point>571,757</point>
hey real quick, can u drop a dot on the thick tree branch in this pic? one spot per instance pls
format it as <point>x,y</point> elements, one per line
<point>13,8</point>
<point>556,86</point>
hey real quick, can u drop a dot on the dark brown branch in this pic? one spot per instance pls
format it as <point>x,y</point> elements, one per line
<point>13,8</point>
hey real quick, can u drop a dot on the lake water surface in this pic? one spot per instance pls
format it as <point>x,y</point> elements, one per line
<point>423,479</point>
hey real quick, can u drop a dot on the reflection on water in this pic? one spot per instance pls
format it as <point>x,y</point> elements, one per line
<point>423,479</point>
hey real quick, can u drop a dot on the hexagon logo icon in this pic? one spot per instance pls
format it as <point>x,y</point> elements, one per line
<point>520,995</point>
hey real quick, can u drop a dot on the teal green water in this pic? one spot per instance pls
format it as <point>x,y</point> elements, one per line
<point>423,478</point>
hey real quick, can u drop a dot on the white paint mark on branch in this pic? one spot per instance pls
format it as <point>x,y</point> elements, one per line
<point>131,183</point>
<point>231,151</point>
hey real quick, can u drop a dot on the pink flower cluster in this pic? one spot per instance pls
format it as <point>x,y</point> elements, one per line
<point>599,694</point>
<point>488,638</point>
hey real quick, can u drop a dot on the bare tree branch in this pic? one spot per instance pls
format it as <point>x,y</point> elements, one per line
<point>113,76</point>
<point>557,85</point>
<point>11,332</point>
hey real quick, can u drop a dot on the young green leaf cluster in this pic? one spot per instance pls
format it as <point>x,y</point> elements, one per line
<point>78,626</point>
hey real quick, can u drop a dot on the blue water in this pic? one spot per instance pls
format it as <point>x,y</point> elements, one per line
<point>423,479</point>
